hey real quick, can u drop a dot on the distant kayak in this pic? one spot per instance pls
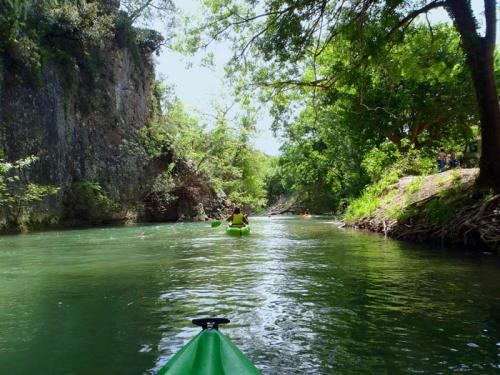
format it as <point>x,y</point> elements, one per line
<point>305,216</point>
<point>238,231</point>
<point>209,353</point>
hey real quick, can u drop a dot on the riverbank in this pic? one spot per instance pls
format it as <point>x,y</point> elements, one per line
<point>439,208</point>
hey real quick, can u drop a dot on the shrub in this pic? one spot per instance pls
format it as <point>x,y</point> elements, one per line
<point>369,201</point>
<point>92,201</point>
<point>18,195</point>
<point>379,159</point>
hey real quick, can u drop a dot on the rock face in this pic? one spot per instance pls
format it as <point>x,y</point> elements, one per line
<point>192,198</point>
<point>85,130</point>
<point>79,133</point>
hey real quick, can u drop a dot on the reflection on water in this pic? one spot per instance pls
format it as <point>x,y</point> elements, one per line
<point>303,298</point>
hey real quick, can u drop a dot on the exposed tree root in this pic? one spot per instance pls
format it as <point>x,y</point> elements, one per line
<point>475,224</point>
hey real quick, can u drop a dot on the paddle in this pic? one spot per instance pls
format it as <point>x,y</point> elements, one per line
<point>216,223</point>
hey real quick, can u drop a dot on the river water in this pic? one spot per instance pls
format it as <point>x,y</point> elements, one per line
<point>303,297</point>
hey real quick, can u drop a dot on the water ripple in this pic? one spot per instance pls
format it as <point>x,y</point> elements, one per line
<point>303,298</point>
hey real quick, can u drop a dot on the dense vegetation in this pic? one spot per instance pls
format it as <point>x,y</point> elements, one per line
<point>217,145</point>
<point>71,36</point>
<point>275,41</point>
<point>388,119</point>
<point>362,92</point>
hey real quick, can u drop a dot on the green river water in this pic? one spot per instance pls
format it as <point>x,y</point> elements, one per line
<point>303,297</point>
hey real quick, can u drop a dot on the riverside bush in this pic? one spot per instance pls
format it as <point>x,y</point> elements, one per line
<point>369,200</point>
<point>414,162</point>
<point>18,194</point>
<point>94,198</point>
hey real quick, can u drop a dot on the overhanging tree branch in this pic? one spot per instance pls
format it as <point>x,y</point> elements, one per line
<point>406,21</point>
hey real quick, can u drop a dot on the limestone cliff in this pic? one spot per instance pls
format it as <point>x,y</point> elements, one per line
<point>84,124</point>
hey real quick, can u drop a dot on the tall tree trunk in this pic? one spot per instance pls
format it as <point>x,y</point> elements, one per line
<point>489,111</point>
<point>480,58</point>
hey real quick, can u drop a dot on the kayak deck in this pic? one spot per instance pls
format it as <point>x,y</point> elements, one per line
<point>209,353</point>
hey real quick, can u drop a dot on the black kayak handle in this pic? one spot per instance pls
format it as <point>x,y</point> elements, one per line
<point>212,323</point>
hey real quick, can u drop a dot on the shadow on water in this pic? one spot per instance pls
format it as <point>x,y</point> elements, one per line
<point>302,296</point>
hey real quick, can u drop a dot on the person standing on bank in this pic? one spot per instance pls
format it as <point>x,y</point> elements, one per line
<point>441,160</point>
<point>453,159</point>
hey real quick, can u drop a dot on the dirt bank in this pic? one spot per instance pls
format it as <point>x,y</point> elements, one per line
<point>440,208</point>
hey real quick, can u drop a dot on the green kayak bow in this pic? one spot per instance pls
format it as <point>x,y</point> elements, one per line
<point>209,353</point>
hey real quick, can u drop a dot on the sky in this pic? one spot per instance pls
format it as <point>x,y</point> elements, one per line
<point>198,87</point>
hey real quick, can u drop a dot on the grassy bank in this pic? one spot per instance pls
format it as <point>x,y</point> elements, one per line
<point>440,208</point>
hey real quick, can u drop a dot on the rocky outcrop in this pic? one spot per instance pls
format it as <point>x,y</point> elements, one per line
<point>84,124</point>
<point>284,205</point>
<point>81,133</point>
<point>188,196</point>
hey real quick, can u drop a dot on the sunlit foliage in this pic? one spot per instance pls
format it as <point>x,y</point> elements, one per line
<point>217,146</point>
<point>17,192</point>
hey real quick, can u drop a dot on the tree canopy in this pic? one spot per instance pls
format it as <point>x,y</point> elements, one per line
<point>217,145</point>
<point>275,41</point>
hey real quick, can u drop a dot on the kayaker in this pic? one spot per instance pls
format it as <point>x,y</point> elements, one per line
<point>237,219</point>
